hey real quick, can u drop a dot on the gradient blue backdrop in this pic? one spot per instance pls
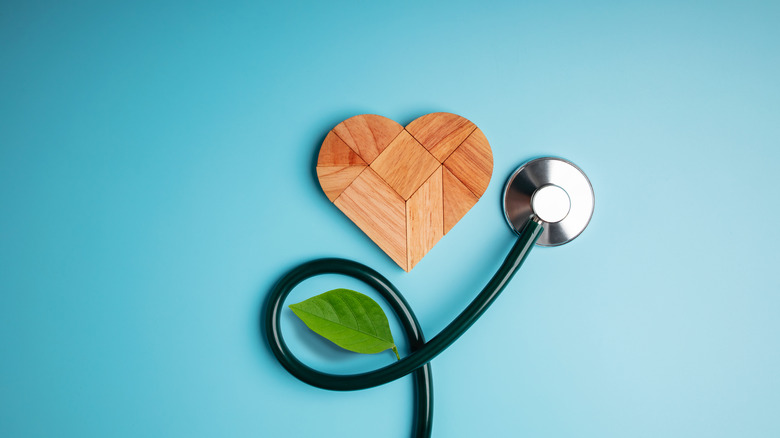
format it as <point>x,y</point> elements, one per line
<point>156,179</point>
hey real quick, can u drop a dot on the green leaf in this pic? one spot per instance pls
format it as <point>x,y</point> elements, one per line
<point>349,319</point>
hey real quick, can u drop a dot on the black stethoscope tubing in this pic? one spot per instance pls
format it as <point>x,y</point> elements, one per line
<point>418,362</point>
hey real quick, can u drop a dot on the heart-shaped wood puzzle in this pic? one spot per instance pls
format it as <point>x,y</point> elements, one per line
<point>405,187</point>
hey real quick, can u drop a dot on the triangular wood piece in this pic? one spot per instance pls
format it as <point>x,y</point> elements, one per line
<point>368,134</point>
<point>424,219</point>
<point>334,179</point>
<point>441,133</point>
<point>472,163</point>
<point>379,211</point>
<point>335,152</point>
<point>457,198</point>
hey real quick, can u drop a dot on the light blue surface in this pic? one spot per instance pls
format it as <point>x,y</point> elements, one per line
<point>156,179</point>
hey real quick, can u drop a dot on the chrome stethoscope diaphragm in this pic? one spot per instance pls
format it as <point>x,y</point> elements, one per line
<point>555,192</point>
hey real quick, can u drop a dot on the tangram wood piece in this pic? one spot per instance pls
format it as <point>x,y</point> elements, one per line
<point>368,134</point>
<point>405,164</point>
<point>472,162</point>
<point>405,187</point>
<point>441,133</point>
<point>458,199</point>
<point>379,211</point>
<point>334,179</point>
<point>335,152</point>
<point>424,218</point>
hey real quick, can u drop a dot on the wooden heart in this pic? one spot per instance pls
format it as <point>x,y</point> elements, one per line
<point>405,187</point>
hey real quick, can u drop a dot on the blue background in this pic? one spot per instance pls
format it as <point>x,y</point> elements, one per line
<point>156,179</point>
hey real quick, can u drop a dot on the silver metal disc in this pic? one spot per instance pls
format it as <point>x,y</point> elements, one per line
<point>544,173</point>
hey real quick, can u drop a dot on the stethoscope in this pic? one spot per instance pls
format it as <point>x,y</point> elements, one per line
<point>547,201</point>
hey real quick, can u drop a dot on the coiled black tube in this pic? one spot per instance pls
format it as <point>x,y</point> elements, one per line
<point>422,352</point>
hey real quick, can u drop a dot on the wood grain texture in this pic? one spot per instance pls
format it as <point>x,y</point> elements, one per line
<point>405,164</point>
<point>441,133</point>
<point>379,211</point>
<point>472,163</point>
<point>457,199</point>
<point>368,134</point>
<point>403,194</point>
<point>424,219</point>
<point>334,152</point>
<point>334,179</point>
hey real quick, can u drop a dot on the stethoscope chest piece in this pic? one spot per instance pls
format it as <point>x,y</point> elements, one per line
<point>556,192</point>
